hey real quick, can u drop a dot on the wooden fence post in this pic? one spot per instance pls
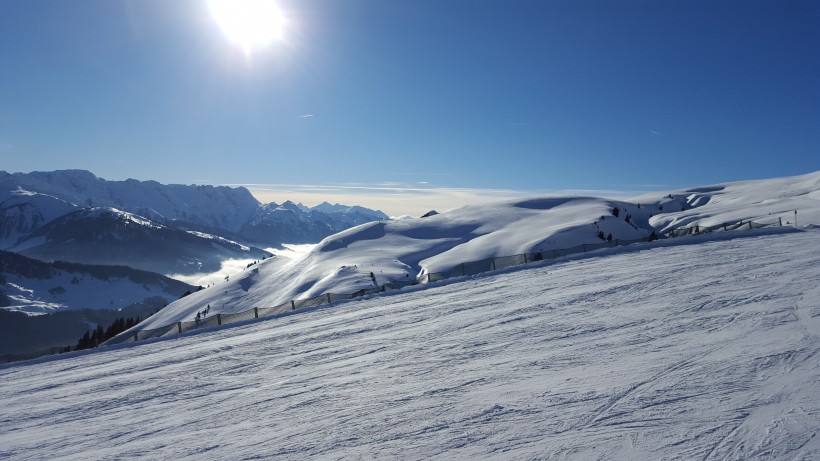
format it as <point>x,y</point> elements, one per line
<point>292,305</point>
<point>328,298</point>
<point>219,319</point>
<point>179,327</point>
<point>256,312</point>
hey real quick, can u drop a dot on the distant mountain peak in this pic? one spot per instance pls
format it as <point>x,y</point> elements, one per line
<point>29,201</point>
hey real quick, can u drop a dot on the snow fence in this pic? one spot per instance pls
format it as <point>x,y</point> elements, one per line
<point>742,225</point>
<point>503,262</point>
<point>460,270</point>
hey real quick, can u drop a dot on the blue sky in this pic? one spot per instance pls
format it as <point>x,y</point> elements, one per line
<point>398,104</point>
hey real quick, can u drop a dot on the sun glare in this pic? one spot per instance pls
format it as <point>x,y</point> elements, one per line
<point>249,23</point>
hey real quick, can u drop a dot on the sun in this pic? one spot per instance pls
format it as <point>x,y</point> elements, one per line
<point>250,24</point>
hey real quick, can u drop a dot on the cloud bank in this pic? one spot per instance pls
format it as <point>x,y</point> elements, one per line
<point>397,199</point>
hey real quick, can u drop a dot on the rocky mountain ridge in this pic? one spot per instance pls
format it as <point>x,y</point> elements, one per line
<point>76,216</point>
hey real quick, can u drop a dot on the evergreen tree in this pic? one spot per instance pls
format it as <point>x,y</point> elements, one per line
<point>84,342</point>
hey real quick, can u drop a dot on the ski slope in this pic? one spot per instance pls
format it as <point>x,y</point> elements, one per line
<point>408,249</point>
<point>704,351</point>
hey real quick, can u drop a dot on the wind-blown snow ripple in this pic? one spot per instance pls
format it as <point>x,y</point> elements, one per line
<point>702,352</point>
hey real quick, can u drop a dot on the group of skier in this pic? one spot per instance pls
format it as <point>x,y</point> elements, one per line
<point>202,314</point>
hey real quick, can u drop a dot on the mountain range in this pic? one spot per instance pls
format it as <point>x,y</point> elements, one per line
<point>99,246</point>
<point>682,349</point>
<point>48,304</point>
<point>75,216</point>
<point>376,253</point>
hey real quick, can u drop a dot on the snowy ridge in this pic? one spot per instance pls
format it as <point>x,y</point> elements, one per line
<point>761,201</point>
<point>214,207</point>
<point>231,212</point>
<point>35,287</point>
<point>108,236</point>
<point>707,352</point>
<point>24,211</point>
<point>403,251</point>
<point>297,224</point>
<point>407,250</point>
<point>45,305</point>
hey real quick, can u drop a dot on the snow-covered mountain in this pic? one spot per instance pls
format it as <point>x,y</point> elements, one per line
<point>674,352</point>
<point>763,201</point>
<point>198,207</point>
<point>354,212</point>
<point>296,223</point>
<point>228,211</point>
<point>37,287</point>
<point>409,249</point>
<point>56,215</point>
<point>22,212</point>
<point>660,351</point>
<point>75,296</point>
<point>109,236</point>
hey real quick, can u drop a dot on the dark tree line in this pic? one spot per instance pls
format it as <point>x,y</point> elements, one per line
<point>95,337</point>
<point>189,292</point>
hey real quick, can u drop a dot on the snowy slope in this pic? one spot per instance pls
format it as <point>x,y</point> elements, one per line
<point>351,211</point>
<point>232,212</point>
<point>707,351</point>
<point>408,249</point>
<point>36,287</point>
<point>212,207</point>
<point>761,201</point>
<point>110,236</point>
<point>404,250</point>
<point>22,212</point>
<point>297,224</point>
<point>80,297</point>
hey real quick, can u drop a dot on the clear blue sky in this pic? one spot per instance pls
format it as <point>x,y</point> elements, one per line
<point>423,94</point>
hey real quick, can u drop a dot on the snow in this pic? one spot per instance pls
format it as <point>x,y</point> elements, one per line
<point>291,251</point>
<point>219,239</point>
<point>232,267</point>
<point>404,250</point>
<point>224,207</point>
<point>24,211</point>
<point>408,249</point>
<point>66,290</point>
<point>702,351</point>
<point>228,268</point>
<point>30,200</point>
<point>762,201</point>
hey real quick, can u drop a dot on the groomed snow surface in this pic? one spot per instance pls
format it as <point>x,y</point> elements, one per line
<point>705,351</point>
<point>376,253</point>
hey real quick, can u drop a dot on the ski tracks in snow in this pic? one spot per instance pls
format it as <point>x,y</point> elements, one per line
<point>715,357</point>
